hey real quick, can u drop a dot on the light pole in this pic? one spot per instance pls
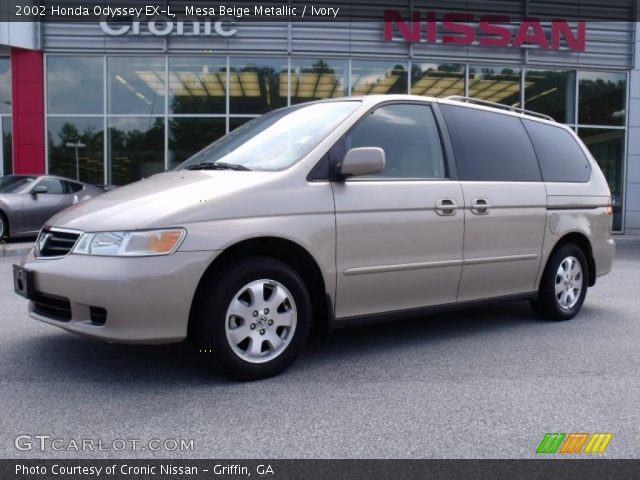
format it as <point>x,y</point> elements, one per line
<point>77,145</point>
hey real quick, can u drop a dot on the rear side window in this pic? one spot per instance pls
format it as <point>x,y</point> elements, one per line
<point>73,187</point>
<point>490,146</point>
<point>560,156</point>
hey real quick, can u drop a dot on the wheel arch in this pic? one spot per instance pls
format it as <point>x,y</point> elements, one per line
<point>582,241</point>
<point>286,251</point>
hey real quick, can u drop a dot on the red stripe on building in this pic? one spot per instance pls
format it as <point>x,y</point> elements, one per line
<point>27,79</point>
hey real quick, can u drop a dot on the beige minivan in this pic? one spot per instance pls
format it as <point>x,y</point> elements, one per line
<point>328,214</point>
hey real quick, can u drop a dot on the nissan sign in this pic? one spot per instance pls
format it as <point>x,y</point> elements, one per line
<point>487,30</point>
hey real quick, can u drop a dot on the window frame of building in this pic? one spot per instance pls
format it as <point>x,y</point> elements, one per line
<point>413,82</point>
<point>6,147</point>
<point>580,120</point>
<point>76,108</point>
<point>111,161</point>
<point>570,110</point>
<point>322,65</point>
<point>6,150</point>
<point>479,68</point>
<point>238,65</point>
<point>386,65</point>
<point>86,147</point>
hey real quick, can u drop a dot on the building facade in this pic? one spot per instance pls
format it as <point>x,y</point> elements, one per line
<point>113,103</point>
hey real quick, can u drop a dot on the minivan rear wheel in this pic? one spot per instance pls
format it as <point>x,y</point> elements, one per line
<point>564,284</point>
<point>253,319</point>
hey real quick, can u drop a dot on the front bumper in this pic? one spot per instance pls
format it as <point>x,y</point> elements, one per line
<point>147,299</point>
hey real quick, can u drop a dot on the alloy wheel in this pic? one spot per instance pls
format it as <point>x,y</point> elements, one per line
<point>568,283</point>
<point>260,321</point>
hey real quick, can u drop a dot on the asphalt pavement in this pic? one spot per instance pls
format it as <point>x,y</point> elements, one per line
<point>484,383</point>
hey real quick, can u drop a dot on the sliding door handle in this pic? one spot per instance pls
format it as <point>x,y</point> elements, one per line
<point>446,207</point>
<point>480,206</point>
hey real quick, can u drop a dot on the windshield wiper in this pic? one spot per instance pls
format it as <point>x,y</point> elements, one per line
<point>217,166</point>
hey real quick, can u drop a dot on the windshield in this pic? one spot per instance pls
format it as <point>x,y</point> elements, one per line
<point>273,141</point>
<point>13,184</point>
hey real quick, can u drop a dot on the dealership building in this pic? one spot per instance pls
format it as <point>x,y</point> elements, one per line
<point>116,102</point>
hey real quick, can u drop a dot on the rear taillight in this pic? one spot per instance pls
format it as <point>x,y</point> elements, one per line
<point>610,208</point>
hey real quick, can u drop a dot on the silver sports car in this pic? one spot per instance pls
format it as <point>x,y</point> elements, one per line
<point>28,201</point>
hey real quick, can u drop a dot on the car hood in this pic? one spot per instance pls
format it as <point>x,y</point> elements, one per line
<point>163,200</point>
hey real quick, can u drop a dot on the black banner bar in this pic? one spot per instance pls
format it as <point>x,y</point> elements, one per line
<point>555,469</point>
<point>305,10</point>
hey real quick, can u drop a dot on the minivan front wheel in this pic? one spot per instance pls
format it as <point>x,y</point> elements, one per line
<point>564,284</point>
<point>254,318</point>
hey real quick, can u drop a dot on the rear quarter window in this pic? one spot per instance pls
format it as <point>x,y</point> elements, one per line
<point>490,146</point>
<point>561,157</point>
<point>74,187</point>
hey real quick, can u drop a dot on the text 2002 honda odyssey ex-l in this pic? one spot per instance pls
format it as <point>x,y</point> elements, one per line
<point>327,214</point>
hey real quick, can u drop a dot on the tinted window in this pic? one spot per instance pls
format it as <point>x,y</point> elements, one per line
<point>490,146</point>
<point>73,187</point>
<point>13,184</point>
<point>53,185</point>
<point>561,158</point>
<point>409,137</point>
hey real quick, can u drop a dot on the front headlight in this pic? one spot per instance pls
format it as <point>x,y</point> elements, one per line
<point>130,244</point>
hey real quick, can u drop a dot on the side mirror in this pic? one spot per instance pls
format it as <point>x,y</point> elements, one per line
<point>362,161</point>
<point>39,189</point>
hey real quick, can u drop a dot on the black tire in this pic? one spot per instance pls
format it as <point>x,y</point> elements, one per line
<point>547,305</point>
<point>4,227</point>
<point>214,298</point>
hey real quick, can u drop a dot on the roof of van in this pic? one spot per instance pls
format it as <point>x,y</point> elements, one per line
<point>460,101</point>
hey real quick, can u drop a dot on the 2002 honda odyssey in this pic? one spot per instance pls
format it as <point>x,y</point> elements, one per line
<point>328,214</point>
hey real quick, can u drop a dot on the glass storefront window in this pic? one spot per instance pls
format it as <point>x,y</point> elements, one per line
<point>317,79</point>
<point>136,85</point>
<point>257,85</point>
<point>497,83</point>
<point>75,85</point>
<point>374,77</point>
<point>7,151</point>
<point>197,85</point>
<point>607,146</point>
<point>5,85</point>
<point>601,98</point>
<point>437,80</point>
<point>136,148</point>
<point>552,92</point>
<point>86,162</point>
<point>189,135</point>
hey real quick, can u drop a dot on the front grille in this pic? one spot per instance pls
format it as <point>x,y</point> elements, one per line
<point>53,243</point>
<point>50,306</point>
